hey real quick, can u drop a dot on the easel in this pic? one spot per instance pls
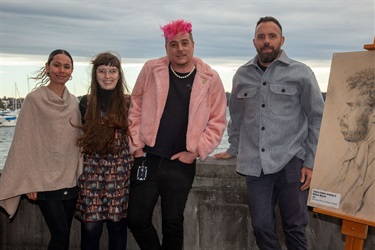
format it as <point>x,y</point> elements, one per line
<point>370,46</point>
<point>353,228</point>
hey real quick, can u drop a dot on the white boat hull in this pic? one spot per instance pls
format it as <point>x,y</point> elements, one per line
<point>8,120</point>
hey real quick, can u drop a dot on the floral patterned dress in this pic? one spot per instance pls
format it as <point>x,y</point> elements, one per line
<point>104,185</point>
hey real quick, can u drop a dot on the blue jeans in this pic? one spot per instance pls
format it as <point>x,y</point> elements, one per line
<point>265,192</point>
<point>172,181</point>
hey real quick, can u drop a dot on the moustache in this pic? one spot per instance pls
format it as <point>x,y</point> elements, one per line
<point>343,124</point>
<point>267,47</point>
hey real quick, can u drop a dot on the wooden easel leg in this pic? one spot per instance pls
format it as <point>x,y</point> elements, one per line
<point>352,243</point>
<point>355,233</point>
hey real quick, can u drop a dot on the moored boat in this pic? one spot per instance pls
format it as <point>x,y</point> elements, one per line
<point>9,119</point>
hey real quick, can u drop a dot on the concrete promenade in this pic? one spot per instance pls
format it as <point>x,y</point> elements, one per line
<point>216,218</point>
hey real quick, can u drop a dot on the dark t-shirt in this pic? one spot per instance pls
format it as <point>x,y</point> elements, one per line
<point>171,136</point>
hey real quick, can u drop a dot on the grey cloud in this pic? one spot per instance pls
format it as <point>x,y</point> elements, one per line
<point>313,29</point>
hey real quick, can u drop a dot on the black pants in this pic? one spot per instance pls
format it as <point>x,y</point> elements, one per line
<point>92,231</point>
<point>172,181</point>
<point>58,216</point>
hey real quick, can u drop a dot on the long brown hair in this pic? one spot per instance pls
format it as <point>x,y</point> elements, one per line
<point>99,131</point>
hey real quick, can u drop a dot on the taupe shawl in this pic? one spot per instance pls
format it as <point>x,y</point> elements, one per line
<point>43,155</point>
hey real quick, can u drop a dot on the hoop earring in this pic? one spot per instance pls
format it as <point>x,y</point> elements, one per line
<point>71,77</point>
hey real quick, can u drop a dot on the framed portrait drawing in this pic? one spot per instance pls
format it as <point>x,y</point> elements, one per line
<point>344,169</point>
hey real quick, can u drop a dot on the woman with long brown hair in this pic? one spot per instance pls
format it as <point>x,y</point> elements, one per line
<point>104,183</point>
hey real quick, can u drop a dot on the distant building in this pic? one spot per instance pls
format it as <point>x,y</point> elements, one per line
<point>6,103</point>
<point>10,102</point>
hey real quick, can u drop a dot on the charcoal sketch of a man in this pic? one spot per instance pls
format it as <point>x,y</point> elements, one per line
<point>355,178</point>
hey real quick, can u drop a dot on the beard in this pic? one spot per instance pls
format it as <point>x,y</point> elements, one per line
<point>268,57</point>
<point>360,132</point>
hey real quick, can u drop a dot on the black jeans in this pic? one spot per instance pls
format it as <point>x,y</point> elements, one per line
<point>172,181</point>
<point>283,187</point>
<point>58,216</point>
<point>92,231</point>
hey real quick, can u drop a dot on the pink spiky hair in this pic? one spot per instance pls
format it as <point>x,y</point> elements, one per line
<point>172,28</point>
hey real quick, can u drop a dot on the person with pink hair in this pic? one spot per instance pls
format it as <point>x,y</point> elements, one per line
<point>177,114</point>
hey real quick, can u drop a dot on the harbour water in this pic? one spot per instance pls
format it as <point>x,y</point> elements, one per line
<point>6,137</point>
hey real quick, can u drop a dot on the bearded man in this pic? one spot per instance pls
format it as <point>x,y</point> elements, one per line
<point>355,178</point>
<point>276,109</point>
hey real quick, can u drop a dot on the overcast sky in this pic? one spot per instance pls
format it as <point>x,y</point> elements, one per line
<point>222,30</point>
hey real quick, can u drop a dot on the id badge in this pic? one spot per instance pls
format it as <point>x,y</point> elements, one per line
<point>142,173</point>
